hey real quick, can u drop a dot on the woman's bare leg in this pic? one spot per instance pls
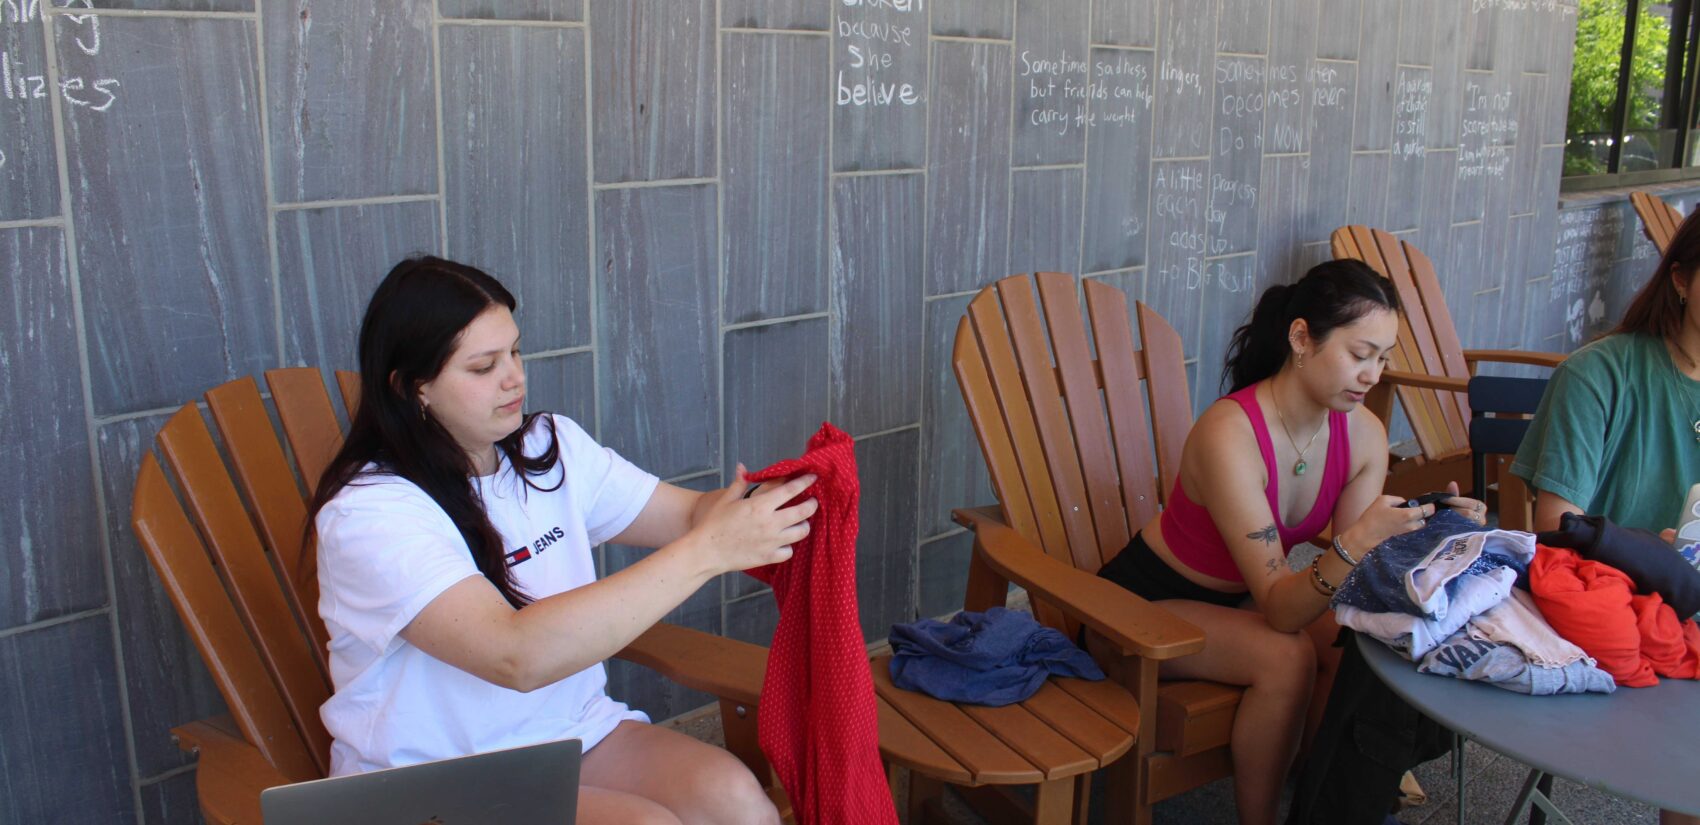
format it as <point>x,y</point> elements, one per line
<point>1278,670</point>
<point>697,783</point>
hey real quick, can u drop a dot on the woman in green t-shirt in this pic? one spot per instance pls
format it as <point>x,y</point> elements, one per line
<point>1618,431</point>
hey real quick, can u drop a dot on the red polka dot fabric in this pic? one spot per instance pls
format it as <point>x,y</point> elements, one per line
<point>817,721</point>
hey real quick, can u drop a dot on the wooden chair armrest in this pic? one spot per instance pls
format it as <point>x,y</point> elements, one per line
<point>1137,626</point>
<point>726,668</point>
<point>229,774</point>
<point>1425,381</point>
<point>1514,356</point>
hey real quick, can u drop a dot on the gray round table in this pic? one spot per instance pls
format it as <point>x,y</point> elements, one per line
<point>1638,743</point>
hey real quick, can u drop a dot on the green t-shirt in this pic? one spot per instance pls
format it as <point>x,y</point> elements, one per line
<point>1616,433</point>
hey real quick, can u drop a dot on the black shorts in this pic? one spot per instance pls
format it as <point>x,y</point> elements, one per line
<point>1137,568</point>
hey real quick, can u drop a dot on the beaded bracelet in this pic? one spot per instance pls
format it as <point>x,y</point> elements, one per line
<point>1322,586</point>
<point>1340,549</point>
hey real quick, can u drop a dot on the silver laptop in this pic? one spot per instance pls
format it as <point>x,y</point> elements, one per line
<point>533,785</point>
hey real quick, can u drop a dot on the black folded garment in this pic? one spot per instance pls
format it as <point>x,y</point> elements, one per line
<point>1649,561</point>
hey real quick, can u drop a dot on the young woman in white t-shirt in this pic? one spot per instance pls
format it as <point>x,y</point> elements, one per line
<point>454,537</point>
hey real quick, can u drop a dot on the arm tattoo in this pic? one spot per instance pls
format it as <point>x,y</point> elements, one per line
<point>1267,534</point>
<point>1272,565</point>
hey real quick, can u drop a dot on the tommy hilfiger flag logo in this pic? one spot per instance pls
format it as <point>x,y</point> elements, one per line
<point>537,547</point>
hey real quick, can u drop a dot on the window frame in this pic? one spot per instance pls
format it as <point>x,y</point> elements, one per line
<point>1686,90</point>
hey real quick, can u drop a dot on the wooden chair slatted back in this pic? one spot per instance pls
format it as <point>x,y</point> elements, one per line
<point>1425,310</point>
<point>1438,419</point>
<point>1171,402</point>
<point>303,407</point>
<point>1082,395</point>
<point>253,582</point>
<point>1124,401</point>
<point>1659,220</point>
<point>348,383</point>
<point>186,571</point>
<point>1044,399</point>
<point>1068,441</point>
<point>263,473</point>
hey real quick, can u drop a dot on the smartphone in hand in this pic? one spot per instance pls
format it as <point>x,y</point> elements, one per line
<point>1428,498</point>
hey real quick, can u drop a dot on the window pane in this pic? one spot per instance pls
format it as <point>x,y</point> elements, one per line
<point>1593,85</point>
<point>1600,31</point>
<point>1649,140</point>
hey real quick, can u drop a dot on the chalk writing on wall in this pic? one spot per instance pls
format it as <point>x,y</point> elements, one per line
<point>871,71</point>
<point>1121,92</point>
<point>1180,193</point>
<point>1410,116</point>
<point>1586,250</point>
<point>1489,129</point>
<point>22,81</point>
<point>1057,87</point>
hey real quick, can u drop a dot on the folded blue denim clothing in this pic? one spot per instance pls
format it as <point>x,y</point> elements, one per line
<point>1504,666</point>
<point>994,658</point>
<point>1418,572</point>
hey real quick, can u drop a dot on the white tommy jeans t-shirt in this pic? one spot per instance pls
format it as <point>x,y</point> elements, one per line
<point>386,550</point>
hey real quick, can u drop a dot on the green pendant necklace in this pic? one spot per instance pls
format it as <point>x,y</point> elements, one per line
<point>1300,466</point>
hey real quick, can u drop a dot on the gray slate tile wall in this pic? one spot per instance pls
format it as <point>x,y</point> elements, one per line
<point>726,221</point>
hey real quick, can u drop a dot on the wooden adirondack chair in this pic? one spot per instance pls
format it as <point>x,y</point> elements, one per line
<point>1082,453</point>
<point>1431,371</point>
<point>1659,220</point>
<point>262,640</point>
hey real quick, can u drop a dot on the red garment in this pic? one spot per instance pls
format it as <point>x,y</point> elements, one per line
<point>1635,638</point>
<point>817,721</point>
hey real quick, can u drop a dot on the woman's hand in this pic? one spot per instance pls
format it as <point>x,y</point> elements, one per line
<point>1384,518</point>
<point>1469,508</point>
<point>742,528</point>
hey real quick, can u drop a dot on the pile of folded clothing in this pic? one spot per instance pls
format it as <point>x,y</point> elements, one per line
<point>1446,597</point>
<point>1623,595</point>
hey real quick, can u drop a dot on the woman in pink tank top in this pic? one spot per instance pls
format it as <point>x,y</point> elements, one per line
<point>1287,452</point>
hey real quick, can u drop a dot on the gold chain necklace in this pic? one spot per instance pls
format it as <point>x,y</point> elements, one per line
<point>1300,466</point>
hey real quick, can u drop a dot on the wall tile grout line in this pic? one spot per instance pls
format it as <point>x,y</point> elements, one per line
<point>49,11</point>
<point>593,295</point>
<point>769,322</point>
<point>73,271</point>
<point>502,23</point>
<point>654,184</point>
<point>721,329</point>
<point>269,185</point>
<point>166,776</point>
<point>436,24</point>
<point>342,203</point>
<point>903,428</point>
<point>920,379</point>
<point>43,624</point>
<point>872,173</point>
<point>34,223</point>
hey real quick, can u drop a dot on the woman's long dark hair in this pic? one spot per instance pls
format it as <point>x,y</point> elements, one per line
<point>1656,310</point>
<point>412,325</point>
<point>1330,295</point>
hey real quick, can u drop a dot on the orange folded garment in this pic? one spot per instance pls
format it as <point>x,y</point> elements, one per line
<point>1634,638</point>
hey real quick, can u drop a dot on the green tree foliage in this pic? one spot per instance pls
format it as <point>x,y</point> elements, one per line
<point>1593,81</point>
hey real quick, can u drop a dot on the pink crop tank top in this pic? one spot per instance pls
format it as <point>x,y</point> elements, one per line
<point>1193,537</point>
